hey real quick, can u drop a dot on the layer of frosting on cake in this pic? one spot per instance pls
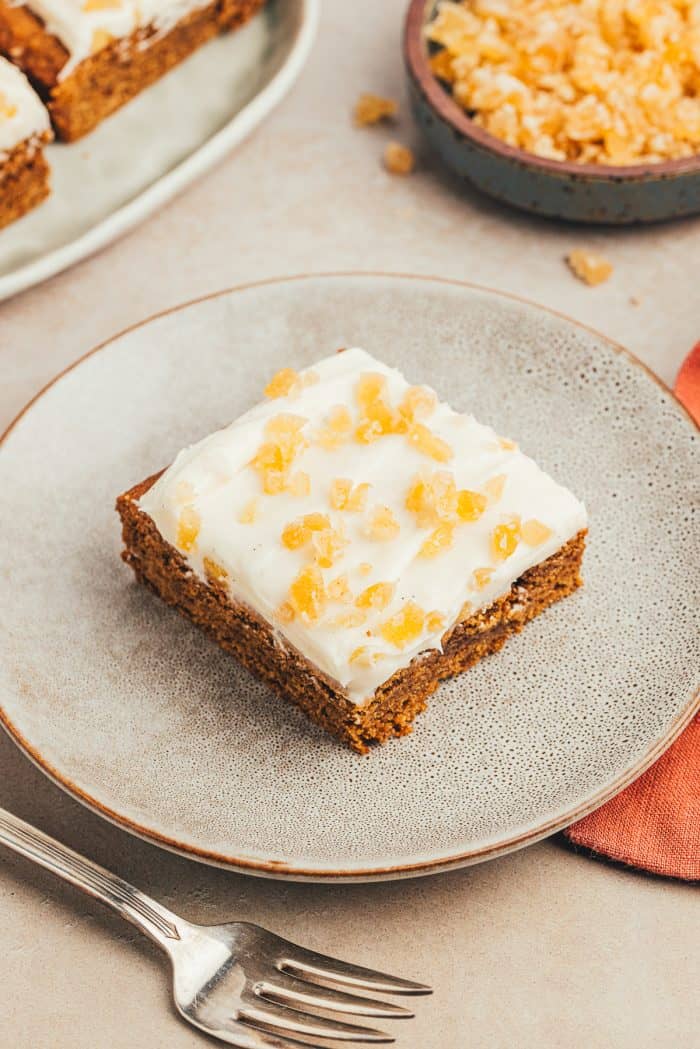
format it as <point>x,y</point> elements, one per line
<point>359,515</point>
<point>22,116</point>
<point>85,26</point>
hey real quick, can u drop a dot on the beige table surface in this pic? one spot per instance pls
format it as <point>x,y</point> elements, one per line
<point>540,949</point>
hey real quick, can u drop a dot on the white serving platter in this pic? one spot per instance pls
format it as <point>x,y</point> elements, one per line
<point>149,151</point>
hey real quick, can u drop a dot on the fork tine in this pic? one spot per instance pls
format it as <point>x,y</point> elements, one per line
<point>286,989</point>
<point>308,965</point>
<point>266,1015</point>
<point>241,1036</point>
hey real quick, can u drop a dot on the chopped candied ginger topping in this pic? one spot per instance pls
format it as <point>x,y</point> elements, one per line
<point>418,402</point>
<point>299,484</point>
<point>249,512</point>
<point>275,456</point>
<point>285,613</point>
<point>371,109</point>
<point>337,428</point>
<point>428,443</point>
<point>494,488</point>
<point>399,159</point>
<point>432,498</point>
<point>214,572</point>
<point>339,590</point>
<point>533,532</point>
<point>439,540</point>
<point>364,568</point>
<point>604,82</point>
<point>481,577</point>
<point>504,539</point>
<point>298,533</point>
<point>307,594</point>
<point>346,496</point>
<point>377,417</point>
<point>284,383</point>
<point>404,627</point>
<point>353,617</point>
<point>470,505</point>
<point>188,528</point>
<point>328,545</point>
<point>377,596</point>
<point>507,445</point>
<point>590,268</point>
<point>382,524</point>
<point>364,657</point>
<point>435,621</point>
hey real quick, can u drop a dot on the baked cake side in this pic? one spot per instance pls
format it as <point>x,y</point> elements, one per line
<point>88,64</point>
<point>325,539</point>
<point>24,129</point>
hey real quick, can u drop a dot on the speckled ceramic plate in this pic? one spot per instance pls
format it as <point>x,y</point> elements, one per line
<point>145,154</point>
<point>136,713</point>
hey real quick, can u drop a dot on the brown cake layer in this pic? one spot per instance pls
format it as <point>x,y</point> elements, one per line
<point>115,73</point>
<point>257,644</point>
<point>24,181</point>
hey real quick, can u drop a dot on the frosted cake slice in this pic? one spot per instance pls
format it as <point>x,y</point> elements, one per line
<point>353,541</point>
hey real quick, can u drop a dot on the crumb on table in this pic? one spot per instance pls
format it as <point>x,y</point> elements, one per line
<point>398,159</point>
<point>589,267</point>
<point>371,109</point>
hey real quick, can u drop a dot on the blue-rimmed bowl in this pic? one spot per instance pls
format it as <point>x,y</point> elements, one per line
<point>577,192</point>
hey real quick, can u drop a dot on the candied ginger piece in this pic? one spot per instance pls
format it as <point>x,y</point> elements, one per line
<point>371,109</point>
<point>418,402</point>
<point>470,505</point>
<point>188,528</point>
<point>378,596</point>
<point>382,524</point>
<point>345,496</point>
<point>307,594</point>
<point>337,428</point>
<point>494,488</point>
<point>534,533</point>
<point>504,539</point>
<point>405,627</point>
<point>328,545</point>
<point>285,613</point>
<point>364,657</point>
<point>214,572</point>
<point>428,443</point>
<point>398,159</point>
<point>339,590</point>
<point>435,621</point>
<point>481,577</point>
<point>283,383</point>
<point>439,540</point>
<point>590,268</point>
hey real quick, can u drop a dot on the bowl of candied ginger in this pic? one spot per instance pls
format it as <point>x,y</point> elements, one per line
<point>586,110</point>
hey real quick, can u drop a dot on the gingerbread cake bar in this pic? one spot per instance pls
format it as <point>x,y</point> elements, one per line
<point>88,57</point>
<point>353,541</point>
<point>24,128</point>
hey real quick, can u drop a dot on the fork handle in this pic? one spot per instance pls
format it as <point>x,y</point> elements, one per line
<point>138,908</point>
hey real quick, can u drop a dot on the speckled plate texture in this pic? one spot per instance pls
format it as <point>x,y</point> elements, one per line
<point>134,711</point>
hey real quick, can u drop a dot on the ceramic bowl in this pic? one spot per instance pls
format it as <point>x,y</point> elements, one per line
<point>593,193</point>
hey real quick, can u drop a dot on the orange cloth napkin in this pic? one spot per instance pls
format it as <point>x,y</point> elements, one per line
<point>655,823</point>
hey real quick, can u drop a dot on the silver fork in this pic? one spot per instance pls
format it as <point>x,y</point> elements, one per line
<point>237,982</point>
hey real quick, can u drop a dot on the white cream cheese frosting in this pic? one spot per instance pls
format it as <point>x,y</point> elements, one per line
<point>210,504</point>
<point>84,26</point>
<point>22,116</point>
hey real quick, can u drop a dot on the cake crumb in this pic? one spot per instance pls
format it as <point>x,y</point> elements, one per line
<point>634,301</point>
<point>372,109</point>
<point>398,159</point>
<point>590,268</point>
